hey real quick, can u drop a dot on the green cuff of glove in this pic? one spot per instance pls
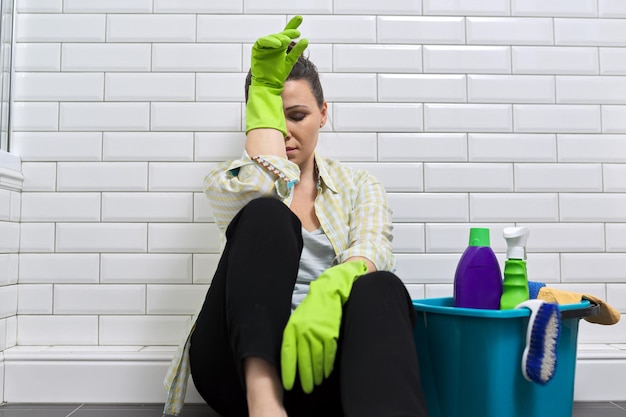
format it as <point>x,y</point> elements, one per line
<point>265,109</point>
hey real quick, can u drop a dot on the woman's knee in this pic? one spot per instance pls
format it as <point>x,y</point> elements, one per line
<point>378,283</point>
<point>265,215</point>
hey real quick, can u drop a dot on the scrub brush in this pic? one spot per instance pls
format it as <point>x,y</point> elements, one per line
<point>542,337</point>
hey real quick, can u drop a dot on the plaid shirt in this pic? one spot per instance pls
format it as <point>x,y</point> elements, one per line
<point>351,206</point>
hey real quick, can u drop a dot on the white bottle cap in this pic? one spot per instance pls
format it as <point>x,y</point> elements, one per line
<point>516,242</point>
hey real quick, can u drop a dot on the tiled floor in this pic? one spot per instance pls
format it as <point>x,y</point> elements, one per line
<point>586,409</point>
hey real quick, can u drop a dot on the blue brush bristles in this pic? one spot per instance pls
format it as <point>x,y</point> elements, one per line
<point>544,328</point>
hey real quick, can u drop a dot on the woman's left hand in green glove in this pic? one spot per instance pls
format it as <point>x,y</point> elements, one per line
<point>310,336</point>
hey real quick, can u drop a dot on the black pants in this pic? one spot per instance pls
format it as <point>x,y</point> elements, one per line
<point>248,305</point>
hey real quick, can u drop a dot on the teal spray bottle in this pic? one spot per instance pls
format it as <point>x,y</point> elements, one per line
<point>515,283</point>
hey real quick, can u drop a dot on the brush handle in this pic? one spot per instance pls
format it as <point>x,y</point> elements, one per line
<point>515,284</point>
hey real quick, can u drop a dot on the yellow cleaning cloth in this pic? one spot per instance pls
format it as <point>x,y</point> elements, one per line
<point>607,314</point>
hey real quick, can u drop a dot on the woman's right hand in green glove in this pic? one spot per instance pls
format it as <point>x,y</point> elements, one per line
<point>270,66</point>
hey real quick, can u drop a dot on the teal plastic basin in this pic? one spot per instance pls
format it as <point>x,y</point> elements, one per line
<point>470,361</point>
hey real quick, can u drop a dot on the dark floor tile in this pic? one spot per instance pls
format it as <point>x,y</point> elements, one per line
<point>599,412</point>
<point>621,404</point>
<point>36,410</point>
<point>594,404</point>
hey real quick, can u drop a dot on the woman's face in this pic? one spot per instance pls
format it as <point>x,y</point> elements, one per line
<point>304,119</point>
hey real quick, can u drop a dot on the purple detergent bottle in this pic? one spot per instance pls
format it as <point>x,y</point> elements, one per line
<point>478,281</point>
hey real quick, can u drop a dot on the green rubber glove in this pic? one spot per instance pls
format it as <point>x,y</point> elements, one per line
<point>310,337</point>
<point>270,66</point>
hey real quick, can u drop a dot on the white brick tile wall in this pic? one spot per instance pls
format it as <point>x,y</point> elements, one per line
<point>99,299</point>
<point>421,30</point>
<point>37,57</point>
<point>120,268</point>
<point>486,112</point>
<point>52,206</point>
<point>509,31</point>
<point>104,57</point>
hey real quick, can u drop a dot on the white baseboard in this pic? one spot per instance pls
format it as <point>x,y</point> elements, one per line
<point>134,374</point>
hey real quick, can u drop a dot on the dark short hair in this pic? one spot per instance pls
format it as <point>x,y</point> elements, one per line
<point>303,69</point>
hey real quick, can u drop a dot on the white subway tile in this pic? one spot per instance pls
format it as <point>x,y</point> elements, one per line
<point>195,116</point>
<point>302,7</point>
<point>558,177</point>
<point>8,301</point>
<point>4,270</point>
<point>39,6</point>
<point>431,207</point>
<point>107,6</point>
<point>590,32</point>
<point>377,58</point>
<point>503,207</point>
<point>39,176</point>
<point>616,294</point>
<point>202,210</point>
<point>37,57</point>
<point>349,87</point>
<point>50,207</point>
<point>9,237</point>
<point>468,177</point>
<point>59,268</point>
<point>613,119</point>
<point>416,291</point>
<point>57,330</point>
<point>220,87</point>
<point>44,27</point>
<point>611,8</point>
<point>197,6</point>
<point>591,148</point>
<point>510,89</point>
<point>101,237</point>
<point>188,238</point>
<point>179,176</point>
<point>408,238</point>
<point>565,237</point>
<point>438,290</point>
<point>204,267</point>
<point>102,176</point>
<point>48,86</point>
<point>467,7</point>
<point>175,299</point>
<point>105,57</point>
<point>34,299</point>
<point>447,238</point>
<point>497,147</point>
<point>615,237</point>
<point>590,90</point>
<point>99,299</point>
<point>468,118</point>
<point>147,207</point>
<point>422,88</point>
<point>363,117</point>
<point>395,176</point>
<point>150,87</point>
<point>218,146</point>
<point>5,205</point>
<point>427,268</point>
<point>421,30</point>
<point>104,116</point>
<point>143,330</point>
<point>544,267</point>
<point>573,8</point>
<point>148,146</point>
<point>151,28</point>
<point>579,207</point>
<point>375,7</point>
<point>11,331</point>
<point>217,28</point>
<point>196,57</point>
<point>57,146</point>
<point>146,268</point>
<point>509,31</point>
<point>467,59</point>
<point>556,118</point>
<point>555,60</point>
<point>409,147</point>
<point>35,116</point>
<point>584,267</point>
<point>613,61</point>
<point>348,146</point>
<point>339,29</point>
<point>36,237</point>
<point>614,176</point>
